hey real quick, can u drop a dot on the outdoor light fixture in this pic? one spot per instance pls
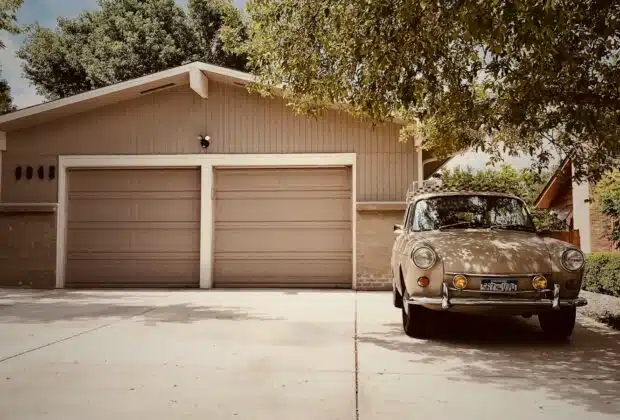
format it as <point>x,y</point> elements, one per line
<point>204,141</point>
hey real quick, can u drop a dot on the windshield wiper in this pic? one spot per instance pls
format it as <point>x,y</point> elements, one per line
<point>459,224</point>
<point>512,227</point>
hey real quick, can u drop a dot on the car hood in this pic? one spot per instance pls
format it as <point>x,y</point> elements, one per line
<point>484,251</point>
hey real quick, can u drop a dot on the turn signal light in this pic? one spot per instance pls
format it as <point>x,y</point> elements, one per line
<point>539,282</point>
<point>459,281</point>
<point>423,281</point>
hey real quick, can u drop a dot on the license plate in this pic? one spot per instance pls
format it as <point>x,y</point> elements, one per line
<point>498,285</point>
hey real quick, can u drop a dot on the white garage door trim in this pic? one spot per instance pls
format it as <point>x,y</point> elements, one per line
<point>207,164</point>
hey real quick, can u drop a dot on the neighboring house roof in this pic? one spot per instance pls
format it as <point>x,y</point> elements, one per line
<point>556,184</point>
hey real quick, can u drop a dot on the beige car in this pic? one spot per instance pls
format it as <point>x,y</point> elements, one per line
<point>480,252</point>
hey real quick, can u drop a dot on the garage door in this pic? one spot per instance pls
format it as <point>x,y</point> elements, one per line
<point>283,227</point>
<point>133,228</point>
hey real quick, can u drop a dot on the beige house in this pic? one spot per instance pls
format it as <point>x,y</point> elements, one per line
<point>115,188</point>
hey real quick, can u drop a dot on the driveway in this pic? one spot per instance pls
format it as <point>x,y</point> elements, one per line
<point>286,355</point>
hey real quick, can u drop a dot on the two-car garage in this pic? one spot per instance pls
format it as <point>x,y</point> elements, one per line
<point>270,226</point>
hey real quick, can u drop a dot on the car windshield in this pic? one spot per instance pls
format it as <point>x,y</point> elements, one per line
<point>471,211</point>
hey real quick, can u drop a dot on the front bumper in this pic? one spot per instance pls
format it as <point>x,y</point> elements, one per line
<point>446,301</point>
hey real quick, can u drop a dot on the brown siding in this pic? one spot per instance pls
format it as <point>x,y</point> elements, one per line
<point>168,123</point>
<point>375,237</point>
<point>28,251</point>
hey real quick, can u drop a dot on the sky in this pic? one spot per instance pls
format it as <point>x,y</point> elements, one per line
<point>45,13</point>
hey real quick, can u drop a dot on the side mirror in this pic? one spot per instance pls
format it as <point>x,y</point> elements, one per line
<point>398,228</point>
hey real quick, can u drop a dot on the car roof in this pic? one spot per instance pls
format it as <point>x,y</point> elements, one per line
<point>462,193</point>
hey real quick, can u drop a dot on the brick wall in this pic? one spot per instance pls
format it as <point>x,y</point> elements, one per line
<point>28,251</point>
<point>600,226</point>
<point>375,238</point>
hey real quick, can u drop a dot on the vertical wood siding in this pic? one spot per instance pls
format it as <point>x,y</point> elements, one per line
<point>168,122</point>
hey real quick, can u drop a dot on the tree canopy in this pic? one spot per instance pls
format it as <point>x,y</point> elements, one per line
<point>8,22</point>
<point>525,184</point>
<point>534,77</point>
<point>124,39</point>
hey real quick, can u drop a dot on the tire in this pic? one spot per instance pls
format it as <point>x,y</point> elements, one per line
<point>415,319</point>
<point>558,324</point>
<point>396,297</point>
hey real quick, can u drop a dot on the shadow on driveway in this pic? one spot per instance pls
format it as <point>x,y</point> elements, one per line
<point>514,355</point>
<point>72,306</point>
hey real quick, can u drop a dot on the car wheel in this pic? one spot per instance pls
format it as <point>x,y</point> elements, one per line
<point>415,318</point>
<point>558,324</point>
<point>396,297</point>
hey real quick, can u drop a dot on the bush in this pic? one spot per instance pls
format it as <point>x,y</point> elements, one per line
<point>602,273</point>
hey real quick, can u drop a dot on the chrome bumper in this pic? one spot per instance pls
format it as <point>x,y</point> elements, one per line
<point>446,301</point>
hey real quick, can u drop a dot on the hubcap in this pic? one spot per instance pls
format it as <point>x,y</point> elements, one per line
<point>405,302</point>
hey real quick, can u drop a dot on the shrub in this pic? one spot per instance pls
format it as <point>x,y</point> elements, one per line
<point>602,273</point>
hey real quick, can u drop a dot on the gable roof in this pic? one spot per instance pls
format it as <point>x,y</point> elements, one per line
<point>555,184</point>
<point>188,74</point>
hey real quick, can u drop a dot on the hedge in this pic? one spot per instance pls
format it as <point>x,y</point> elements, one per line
<point>602,273</point>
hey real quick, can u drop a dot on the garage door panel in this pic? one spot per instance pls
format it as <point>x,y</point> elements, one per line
<point>272,179</point>
<point>270,240</point>
<point>133,240</point>
<point>264,273</point>
<point>284,209</point>
<point>287,227</point>
<point>117,180</point>
<point>127,209</point>
<point>122,273</point>
<point>133,227</point>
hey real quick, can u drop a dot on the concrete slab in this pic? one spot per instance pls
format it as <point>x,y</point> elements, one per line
<point>481,368</point>
<point>220,355</point>
<point>287,355</point>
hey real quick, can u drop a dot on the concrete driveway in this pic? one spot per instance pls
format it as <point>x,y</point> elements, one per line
<point>286,355</point>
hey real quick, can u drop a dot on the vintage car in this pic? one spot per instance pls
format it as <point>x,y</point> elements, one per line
<point>479,251</point>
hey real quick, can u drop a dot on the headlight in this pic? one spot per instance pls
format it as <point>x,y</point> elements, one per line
<point>573,259</point>
<point>423,257</point>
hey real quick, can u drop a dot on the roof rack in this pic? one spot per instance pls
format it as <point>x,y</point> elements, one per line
<point>437,186</point>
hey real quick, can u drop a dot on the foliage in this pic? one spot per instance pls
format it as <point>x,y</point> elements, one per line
<point>125,39</point>
<point>6,101</point>
<point>608,191</point>
<point>525,184</point>
<point>530,77</point>
<point>8,22</point>
<point>602,273</point>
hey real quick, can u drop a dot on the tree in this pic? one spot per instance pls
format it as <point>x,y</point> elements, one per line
<point>530,77</point>
<point>8,22</point>
<point>608,191</point>
<point>216,25</point>
<point>525,184</point>
<point>124,39</point>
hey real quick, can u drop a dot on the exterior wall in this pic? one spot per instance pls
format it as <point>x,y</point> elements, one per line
<point>374,247</point>
<point>168,122</point>
<point>28,252</point>
<point>581,215</point>
<point>601,226</point>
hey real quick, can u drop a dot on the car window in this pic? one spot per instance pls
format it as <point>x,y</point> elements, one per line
<point>408,217</point>
<point>477,211</point>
